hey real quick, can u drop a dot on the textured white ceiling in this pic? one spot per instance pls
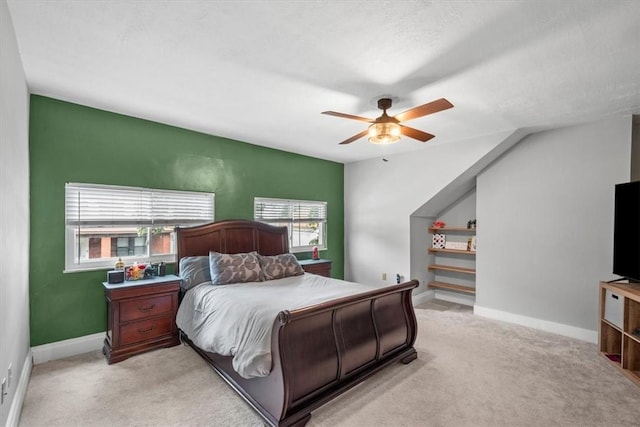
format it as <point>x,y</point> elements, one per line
<point>262,71</point>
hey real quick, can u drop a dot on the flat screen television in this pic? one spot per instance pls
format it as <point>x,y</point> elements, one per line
<point>626,231</point>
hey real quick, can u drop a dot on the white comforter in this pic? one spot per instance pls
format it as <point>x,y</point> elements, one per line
<point>236,320</point>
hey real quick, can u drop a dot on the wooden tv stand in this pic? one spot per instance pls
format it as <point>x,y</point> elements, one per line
<point>621,345</point>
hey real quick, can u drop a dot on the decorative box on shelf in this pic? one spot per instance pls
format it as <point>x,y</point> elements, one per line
<point>439,241</point>
<point>460,246</point>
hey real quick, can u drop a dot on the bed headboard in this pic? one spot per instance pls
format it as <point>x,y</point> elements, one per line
<point>231,237</point>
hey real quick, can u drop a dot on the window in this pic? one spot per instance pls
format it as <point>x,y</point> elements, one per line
<point>104,223</point>
<point>306,220</point>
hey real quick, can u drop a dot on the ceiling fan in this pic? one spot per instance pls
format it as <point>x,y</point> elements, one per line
<point>387,129</point>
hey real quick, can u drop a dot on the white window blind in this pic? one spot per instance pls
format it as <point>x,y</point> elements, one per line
<point>305,219</point>
<point>105,223</point>
<point>276,210</point>
<point>100,205</point>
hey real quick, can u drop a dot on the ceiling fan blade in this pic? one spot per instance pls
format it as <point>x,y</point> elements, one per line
<point>423,110</point>
<point>415,133</point>
<point>355,137</point>
<point>347,116</point>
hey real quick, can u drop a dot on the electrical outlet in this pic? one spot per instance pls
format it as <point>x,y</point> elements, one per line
<point>9,376</point>
<point>384,276</point>
<point>3,390</point>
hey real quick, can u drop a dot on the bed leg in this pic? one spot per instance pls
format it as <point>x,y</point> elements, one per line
<point>302,421</point>
<point>410,358</point>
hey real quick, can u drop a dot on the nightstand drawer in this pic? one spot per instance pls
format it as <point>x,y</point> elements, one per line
<point>321,267</point>
<point>145,330</point>
<point>141,308</point>
<point>322,270</point>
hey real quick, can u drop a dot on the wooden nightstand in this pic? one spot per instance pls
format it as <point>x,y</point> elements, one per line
<point>321,267</point>
<point>141,316</point>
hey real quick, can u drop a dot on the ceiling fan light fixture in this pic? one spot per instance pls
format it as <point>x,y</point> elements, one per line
<point>384,133</point>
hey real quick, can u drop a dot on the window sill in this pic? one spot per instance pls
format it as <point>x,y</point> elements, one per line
<point>305,249</point>
<point>109,268</point>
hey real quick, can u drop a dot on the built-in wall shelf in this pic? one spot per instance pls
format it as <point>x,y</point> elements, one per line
<point>445,262</point>
<point>452,268</point>
<point>451,251</point>
<point>452,287</point>
<point>434,230</point>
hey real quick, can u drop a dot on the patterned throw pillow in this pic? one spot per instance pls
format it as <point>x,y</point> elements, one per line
<point>194,270</point>
<point>234,268</point>
<point>279,266</point>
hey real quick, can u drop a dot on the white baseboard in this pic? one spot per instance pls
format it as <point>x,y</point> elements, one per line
<point>457,298</point>
<point>543,325</point>
<point>425,296</point>
<point>71,347</point>
<point>21,392</point>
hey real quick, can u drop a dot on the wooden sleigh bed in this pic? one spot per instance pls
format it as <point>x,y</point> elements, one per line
<point>318,352</point>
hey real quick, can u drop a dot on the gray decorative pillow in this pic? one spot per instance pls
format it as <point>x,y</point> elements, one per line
<point>279,266</point>
<point>194,270</point>
<point>234,268</point>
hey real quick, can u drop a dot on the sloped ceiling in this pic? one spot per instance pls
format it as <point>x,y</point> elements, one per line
<point>262,71</point>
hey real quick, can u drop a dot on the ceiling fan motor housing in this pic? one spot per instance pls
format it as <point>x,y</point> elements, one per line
<point>384,103</point>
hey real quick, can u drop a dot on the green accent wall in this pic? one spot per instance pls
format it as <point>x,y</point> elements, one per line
<point>74,143</point>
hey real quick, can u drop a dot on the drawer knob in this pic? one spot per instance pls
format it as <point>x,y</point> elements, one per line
<point>146,331</point>
<point>149,308</point>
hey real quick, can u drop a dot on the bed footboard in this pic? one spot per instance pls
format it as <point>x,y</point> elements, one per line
<point>324,347</point>
<point>321,351</point>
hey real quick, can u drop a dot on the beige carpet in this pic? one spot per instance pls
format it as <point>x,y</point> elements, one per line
<point>470,371</point>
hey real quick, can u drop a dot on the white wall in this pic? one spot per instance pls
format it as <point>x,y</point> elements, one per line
<point>459,213</point>
<point>14,215</point>
<point>545,223</point>
<point>381,196</point>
